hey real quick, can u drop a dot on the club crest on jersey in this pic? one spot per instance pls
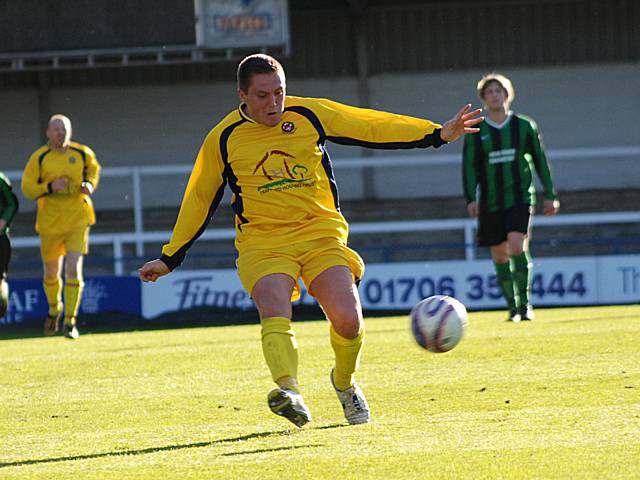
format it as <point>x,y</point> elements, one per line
<point>72,160</point>
<point>288,127</point>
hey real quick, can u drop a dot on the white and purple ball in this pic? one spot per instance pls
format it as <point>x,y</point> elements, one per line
<point>438,323</point>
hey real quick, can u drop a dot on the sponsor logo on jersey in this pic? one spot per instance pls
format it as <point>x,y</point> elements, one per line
<point>502,156</point>
<point>282,172</point>
<point>288,127</point>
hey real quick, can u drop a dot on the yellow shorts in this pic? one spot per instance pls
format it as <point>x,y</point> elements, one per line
<point>55,246</point>
<point>304,260</point>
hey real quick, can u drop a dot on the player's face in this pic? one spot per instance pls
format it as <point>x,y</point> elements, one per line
<point>495,97</point>
<point>265,98</point>
<point>57,134</point>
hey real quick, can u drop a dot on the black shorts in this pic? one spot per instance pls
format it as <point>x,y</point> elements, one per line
<point>493,227</point>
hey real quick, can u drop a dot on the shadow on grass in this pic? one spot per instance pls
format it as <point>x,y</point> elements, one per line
<point>266,450</point>
<point>169,448</point>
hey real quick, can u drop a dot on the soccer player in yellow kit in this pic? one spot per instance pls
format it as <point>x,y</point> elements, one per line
<point>271,153</point>
<point>61,176</point>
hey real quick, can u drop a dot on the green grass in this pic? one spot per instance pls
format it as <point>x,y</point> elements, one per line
<point>554,398</point>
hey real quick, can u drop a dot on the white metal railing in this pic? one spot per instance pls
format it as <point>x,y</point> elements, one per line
<point>118,240</point>
<point>139,237</point>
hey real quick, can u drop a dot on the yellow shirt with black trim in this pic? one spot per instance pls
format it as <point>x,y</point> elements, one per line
<point>281,177</point>
<point>70,209</point>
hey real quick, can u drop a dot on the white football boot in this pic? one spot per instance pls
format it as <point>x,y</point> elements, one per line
<point>290,405</point>
<point>354,404</point>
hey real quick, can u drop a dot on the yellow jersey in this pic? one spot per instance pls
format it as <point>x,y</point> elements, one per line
<point>281,177</point>
<point>68,210</point>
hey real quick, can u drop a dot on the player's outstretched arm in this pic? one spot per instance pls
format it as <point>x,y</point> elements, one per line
<point>151,271</point>
<point>462,123</point>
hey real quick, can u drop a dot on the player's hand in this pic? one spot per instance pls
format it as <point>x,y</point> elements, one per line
<point>153,270</point>
<point>86,188</point>
<point>462,123</point>
<point>551,207</point>
<point>59,184</point>
<point>472,209</point>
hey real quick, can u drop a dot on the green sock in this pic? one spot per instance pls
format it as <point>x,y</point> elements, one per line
<point>505,280</point>
<point>522,275</point>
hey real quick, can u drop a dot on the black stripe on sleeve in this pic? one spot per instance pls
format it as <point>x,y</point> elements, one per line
<point>328,169</point>
<point>431,140</point>
<point>313,118</point>
<point>237,205</point>
<point>177,258</point>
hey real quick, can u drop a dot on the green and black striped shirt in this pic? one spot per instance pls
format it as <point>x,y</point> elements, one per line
<point>8,203</point>
<point>500,161</point>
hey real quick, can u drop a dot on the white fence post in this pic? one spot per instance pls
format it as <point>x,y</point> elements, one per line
<point>138,220</point>
<point>469,241</point>
<point>118,267</point>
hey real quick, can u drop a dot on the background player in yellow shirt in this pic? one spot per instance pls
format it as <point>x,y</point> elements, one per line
<point>271,152</point>
<point>61,176</point>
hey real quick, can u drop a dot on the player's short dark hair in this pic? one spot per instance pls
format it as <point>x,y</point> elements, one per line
<point>256,64</point>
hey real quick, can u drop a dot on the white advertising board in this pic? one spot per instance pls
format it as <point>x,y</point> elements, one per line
<point>397,286</point>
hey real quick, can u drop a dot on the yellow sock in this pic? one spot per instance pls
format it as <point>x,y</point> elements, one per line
<point>72,296</point>
<point>53,290</point>
<point>280,351</point>
<point>347,352</point>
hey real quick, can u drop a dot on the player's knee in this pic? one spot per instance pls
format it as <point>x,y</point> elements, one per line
<point>50,277</point>
<point>72,274</point>
<point>347,322</point>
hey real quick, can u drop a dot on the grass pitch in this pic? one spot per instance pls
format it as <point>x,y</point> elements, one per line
<point>555,398</point>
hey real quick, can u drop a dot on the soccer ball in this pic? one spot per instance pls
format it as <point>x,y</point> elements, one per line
<point>438,323</point>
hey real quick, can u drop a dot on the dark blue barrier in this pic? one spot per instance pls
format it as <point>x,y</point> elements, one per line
<point>28,304</point>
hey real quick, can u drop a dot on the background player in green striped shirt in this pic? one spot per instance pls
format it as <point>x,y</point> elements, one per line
<point>499,189</point>
<point>8,209</point>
